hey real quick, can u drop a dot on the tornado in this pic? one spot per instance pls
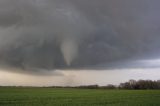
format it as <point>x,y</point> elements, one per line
<point>69,49</point>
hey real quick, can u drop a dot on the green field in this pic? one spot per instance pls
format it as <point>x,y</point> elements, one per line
<point>77,97</point>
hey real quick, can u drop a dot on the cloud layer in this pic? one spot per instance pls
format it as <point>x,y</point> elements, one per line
<point>62,34</point>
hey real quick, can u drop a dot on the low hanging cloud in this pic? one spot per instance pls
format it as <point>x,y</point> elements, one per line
<point>75,34</point>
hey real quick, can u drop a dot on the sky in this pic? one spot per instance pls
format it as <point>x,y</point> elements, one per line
<point>78,42</point>
<point>77,78</point>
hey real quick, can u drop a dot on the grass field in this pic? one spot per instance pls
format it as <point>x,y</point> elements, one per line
<point>77,97</point>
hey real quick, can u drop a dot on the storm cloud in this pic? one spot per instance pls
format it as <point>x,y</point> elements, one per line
<point>75,34</point>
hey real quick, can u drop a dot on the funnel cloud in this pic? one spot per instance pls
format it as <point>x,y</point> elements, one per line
<point>76,34</point>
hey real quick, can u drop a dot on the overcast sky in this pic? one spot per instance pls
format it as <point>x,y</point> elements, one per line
<point>72,42</point>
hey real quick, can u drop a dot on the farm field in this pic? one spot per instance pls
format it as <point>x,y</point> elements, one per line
<point>77,97</point>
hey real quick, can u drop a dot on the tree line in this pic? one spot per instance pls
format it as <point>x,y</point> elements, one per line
<point>140,84</point>
<point>131,84</point>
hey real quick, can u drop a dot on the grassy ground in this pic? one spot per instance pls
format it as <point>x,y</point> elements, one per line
<point>77,97</point>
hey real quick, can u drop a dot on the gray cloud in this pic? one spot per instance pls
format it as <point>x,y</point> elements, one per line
<point>61,34</point>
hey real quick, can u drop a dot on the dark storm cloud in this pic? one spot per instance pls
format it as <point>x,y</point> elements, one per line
<point>55,34</point>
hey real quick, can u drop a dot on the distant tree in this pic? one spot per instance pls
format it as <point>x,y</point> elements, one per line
<point>89,86</point>
<point>158,83</point>
<point>140,84</point>
<point>109,86</point>
<point>125,85</point>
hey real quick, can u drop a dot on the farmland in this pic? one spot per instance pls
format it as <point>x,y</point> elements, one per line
<point>14,96</point>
